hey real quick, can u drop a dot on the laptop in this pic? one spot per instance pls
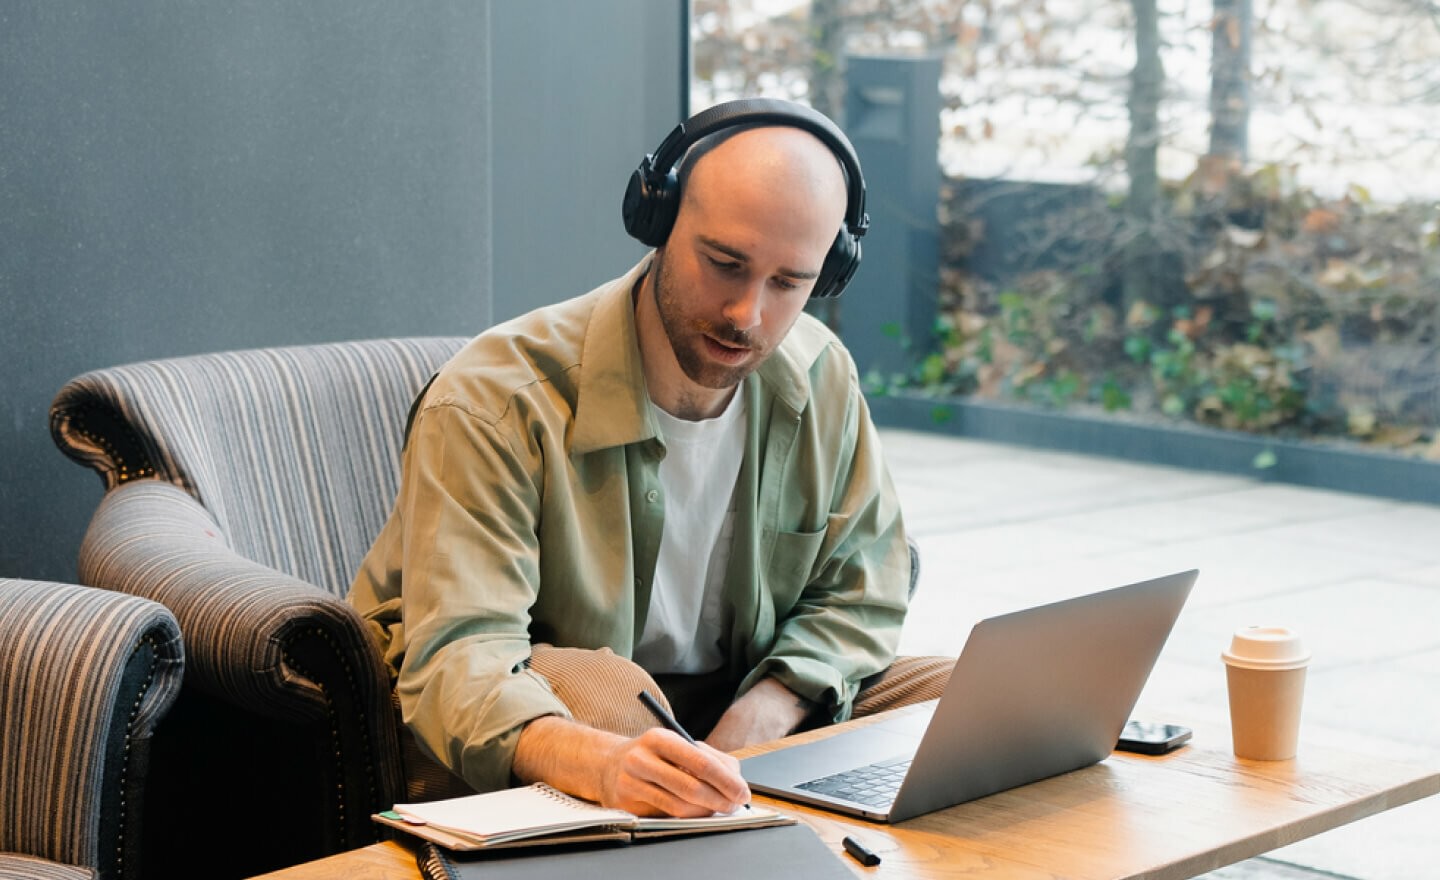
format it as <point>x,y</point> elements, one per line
<point>1034,693</point>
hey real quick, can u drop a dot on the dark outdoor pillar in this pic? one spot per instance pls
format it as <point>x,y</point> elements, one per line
<point>892,115</point>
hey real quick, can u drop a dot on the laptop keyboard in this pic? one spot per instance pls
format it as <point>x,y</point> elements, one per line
<point>873,785</point>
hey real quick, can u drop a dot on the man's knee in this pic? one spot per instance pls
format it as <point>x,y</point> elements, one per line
<point>599,687</point>
<point>907,681</point>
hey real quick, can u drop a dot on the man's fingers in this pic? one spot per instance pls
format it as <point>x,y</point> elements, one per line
<point>692,781</point>
<point>719,771</point>
<point>686,777</point>
<point>648,799</point>
<point>724,774</point>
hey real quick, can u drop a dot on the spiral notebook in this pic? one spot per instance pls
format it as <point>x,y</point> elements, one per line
<point>538,814</point>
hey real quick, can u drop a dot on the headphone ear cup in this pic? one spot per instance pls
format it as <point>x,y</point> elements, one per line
<point>839,267</point>
<point>649,211</point>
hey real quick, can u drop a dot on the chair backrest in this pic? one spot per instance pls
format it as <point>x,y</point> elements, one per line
<point>85,674</point>
<point>294,451</point>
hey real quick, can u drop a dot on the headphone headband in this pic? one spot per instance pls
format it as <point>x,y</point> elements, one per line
<point>760,112</point>
<point>652,199</point>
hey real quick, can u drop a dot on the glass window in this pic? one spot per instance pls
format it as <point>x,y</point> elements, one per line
<point>1223,214</point>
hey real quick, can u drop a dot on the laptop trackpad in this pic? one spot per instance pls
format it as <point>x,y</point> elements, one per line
<point>893,738</point>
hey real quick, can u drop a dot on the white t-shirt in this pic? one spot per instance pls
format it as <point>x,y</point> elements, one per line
<point>698,474</point>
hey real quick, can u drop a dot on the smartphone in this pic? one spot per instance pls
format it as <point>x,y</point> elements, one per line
<point>1151,738</point>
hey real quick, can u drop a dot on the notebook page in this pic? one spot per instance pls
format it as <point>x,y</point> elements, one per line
<point>513,812</point>
<point>744,817</point>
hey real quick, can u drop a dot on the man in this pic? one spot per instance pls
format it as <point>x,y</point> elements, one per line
<point>676,469</point>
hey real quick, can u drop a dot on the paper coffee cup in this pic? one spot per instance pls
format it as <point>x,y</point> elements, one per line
<point>1265,673</point>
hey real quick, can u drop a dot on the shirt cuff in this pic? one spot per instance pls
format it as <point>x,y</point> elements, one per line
<point>816,681</point>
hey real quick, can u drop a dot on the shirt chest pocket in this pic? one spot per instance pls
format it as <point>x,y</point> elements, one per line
<point>789,567</point>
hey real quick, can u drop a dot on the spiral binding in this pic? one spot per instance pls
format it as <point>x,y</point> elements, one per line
<point>433,864</point>
<point>556,794</point>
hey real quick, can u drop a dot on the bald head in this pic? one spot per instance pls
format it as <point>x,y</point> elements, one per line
<point>770,170</point>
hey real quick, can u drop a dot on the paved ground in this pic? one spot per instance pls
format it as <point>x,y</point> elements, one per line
<point>1002,527</point>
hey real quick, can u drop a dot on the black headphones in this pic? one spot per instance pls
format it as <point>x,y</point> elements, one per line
<point>652,198</point>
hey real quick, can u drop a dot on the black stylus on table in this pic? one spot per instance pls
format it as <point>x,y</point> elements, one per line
<point>860,852</point>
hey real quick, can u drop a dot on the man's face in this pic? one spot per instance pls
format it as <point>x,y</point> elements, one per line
<point>716,341</point>
<point>739,266</point>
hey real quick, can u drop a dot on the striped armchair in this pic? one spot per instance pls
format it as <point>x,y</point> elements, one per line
<point>242,491</point>
<point>84,677</point>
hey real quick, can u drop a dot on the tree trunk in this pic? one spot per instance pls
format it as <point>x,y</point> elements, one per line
<point>1147,80</point>
<point>827,74</point>
<point>827,94</point>
<point>1230,80</point>
<point>1140,278</point>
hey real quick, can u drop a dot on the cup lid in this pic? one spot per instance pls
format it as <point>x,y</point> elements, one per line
<point>1266,647</point>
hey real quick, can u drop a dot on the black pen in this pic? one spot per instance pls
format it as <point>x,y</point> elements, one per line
<point>860,852</point>
<point>668,720</point>
<point>665,717</point>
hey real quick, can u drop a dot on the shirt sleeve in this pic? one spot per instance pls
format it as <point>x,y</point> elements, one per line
<point>845,624</point>
<point>469,504</point>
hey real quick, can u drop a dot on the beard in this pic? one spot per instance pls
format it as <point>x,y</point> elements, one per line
<point>688,338</point>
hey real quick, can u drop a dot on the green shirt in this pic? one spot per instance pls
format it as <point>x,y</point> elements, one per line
<point>530,510</point>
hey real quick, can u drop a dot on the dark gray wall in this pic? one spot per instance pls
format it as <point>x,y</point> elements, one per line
<point>181,177</point>
<point>566,158</point>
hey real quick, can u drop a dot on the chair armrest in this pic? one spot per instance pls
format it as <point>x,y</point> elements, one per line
<point>254,636</point>
<point>85,675</point>
<point>259,639</point>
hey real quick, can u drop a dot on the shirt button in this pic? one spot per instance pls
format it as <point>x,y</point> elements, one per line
<point>652,496</point>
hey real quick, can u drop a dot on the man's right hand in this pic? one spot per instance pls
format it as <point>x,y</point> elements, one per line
<point>655,774</point>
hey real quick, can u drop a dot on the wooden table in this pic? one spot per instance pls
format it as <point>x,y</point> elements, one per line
<point>1130,816</point>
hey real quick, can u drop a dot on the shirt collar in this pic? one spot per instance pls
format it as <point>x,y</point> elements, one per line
<point>613,406</point>
<point>786,373</point>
